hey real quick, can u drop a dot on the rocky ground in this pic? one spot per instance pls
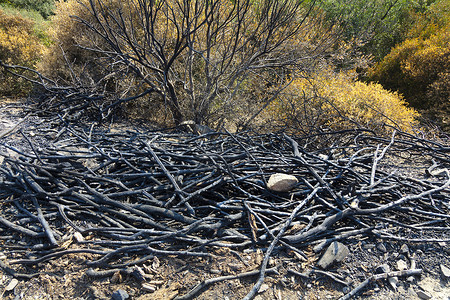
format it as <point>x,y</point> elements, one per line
<point>168,277</point>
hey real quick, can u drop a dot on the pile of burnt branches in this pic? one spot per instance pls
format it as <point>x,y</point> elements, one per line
<point>171,193</point>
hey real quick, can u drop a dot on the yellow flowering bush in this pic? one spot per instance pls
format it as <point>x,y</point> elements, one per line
<point>415,66</point>
<point>419,67</point>
<point>338,101</point>
<point>65,58</point>
<point>18,46</point>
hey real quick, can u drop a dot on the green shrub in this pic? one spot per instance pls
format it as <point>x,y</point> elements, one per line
<point>44,7</point>
<point>374,26</point>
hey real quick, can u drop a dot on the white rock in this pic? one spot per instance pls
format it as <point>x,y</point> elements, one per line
<point>445,271</point>
<point>281,182</point>
<point>401,265</point>
<point>264,287</point>
<point>423,295</point>
<point>11,285</point>
<point>78,237</point>
<point>335,253</point>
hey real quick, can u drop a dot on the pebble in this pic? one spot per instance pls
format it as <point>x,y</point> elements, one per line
<point>383,269</point>
<point>120,295</point>
<point>281,182</point>
<point>404,249</point>
<point>445,271</point>
<point>381,247</point>
<point>116,278</point>
<point>335,253</point>
<point>423,295</point>
<point>393,282</point>
<point>78,237</point>
<point>346,290</point>
<point>264,287</point>
<point>11,285</point>
<point>401,265</point>
<point>2,256</point>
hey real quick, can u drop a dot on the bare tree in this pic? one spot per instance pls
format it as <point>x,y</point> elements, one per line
<point>198,55</point>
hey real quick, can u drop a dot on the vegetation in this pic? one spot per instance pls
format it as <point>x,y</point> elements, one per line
<point>419,67</point>
<point>226,62</point>
<point>196,57</point>
<point>18,46</point>
<point>43,7</point>
<point>338,101</point>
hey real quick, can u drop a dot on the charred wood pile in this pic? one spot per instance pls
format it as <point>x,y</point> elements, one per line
<point>150,193</point>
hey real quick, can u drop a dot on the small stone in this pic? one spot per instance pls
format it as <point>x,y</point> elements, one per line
<point>120,295</point>
<point>404,249</point>
<point>381,247</point>
<point>116,278</point>
<point>335,253</point>
<point>423,295</point>
<point>401,265</point>
<point>264,287</point>
<point>383,269</point>
<point>214,271</point>
<point>2,256</point>
<point>393,282</point>
<point>445,271</point>
<point>78,237</point>
<point>346,290</point>
<point>281,182</point>
<point>11,285</point>
<point>148,288</point>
